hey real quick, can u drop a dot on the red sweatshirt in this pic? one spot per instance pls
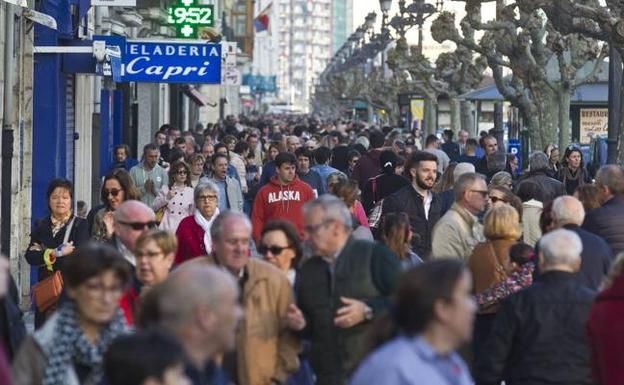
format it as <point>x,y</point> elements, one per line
<point>276,201</point>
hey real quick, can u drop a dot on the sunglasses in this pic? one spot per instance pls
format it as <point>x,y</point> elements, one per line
<point>484,193</point>
<point>182,172</point>
<point>140,225</point>
<point>275,250</point>
<point>114,192</point>
<point>496,199</point>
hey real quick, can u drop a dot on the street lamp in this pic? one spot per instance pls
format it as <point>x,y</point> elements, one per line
<point>414,14</point>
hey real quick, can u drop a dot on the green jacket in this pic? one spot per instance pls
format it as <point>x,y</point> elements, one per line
<point>364,270</point>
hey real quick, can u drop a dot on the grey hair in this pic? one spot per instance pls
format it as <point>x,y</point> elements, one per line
<point>461,169</point>
<point>216,228</point>
<point>538,161</point>
<point>333,209</point>
<point>568,210</point>
<point>561,246</point>
<point>464,183</point>
<point>205,185</point>
<point>612,177</point>
<point>501,178</point>
<point>189,286</point>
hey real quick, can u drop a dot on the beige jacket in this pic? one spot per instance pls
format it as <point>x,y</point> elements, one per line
<point>456,234</point>
<point>266,348</point>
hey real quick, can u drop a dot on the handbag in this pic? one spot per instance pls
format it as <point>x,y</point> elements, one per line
<point>47,292</point>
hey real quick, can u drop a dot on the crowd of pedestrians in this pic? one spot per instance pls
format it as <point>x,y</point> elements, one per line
<point>272,251</point>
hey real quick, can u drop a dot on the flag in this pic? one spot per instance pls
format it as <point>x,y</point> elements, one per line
<point>261,22</point>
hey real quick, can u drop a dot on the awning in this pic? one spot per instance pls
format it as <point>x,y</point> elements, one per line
<point>585,93</point>
<point>196,96</point>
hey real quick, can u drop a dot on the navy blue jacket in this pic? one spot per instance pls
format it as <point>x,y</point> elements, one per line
<point>607,222</point>
<point>596,258</point>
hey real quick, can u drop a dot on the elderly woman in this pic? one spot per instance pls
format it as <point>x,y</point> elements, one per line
<point>117,188</point>
<point>194,231</point>
<point>155,252</point>
<point>55,236</point>
<point>176,198</point>
<point>280,245</point>
<point>490,263</point>
<point>69,349</point>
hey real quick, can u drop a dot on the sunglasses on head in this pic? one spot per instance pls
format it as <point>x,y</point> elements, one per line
<point>140,225</point>
<point>275,250</point>
<point>114,192</point>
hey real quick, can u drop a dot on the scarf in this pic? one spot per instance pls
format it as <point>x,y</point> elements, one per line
<point>57,224</point>
<point>568,175</point>
<point>206,224</point>
<point>70,346</point>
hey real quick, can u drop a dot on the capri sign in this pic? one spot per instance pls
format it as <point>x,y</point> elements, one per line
<point>172,62</point>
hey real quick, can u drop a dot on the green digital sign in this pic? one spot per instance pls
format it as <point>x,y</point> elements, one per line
<point>190,18</point>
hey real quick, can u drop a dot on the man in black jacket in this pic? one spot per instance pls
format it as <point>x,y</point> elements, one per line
<point>538,173</point>
<point>608,221</point>
<point>596,258</point>
<point>423,206</point>
<point>538,336</point>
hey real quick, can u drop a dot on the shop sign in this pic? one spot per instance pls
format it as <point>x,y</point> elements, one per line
<point>594,122</point>
<point>172,62</point>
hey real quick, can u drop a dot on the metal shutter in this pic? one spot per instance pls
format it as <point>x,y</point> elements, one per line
<point>70,126</point>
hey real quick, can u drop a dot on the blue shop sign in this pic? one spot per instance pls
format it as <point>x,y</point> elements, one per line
<point>168,62</point>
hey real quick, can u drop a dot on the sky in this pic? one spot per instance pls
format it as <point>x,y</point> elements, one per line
<point>362,7</point>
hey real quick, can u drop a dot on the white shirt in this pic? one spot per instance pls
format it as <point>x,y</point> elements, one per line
<point>427,203</point>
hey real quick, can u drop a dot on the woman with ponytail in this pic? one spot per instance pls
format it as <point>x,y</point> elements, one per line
<point>384,184</point>
<point>415,342</point>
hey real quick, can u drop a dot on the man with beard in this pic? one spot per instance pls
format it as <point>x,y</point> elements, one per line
<point>422,205</point>
<point>459,230</point>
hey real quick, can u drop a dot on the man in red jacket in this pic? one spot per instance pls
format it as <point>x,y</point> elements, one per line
<point>282,198</point>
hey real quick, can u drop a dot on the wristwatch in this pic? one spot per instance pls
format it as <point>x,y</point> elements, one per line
<point>368,313</point>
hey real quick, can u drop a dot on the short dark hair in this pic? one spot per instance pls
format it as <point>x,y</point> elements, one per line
<point>92,259</point>
<point>285,157</point>
<point>521,253</point>
<point>241,147</point>
<point>449,134</point>
<point>431,139</point>
<point>417,157</point>
<point>175,154</point>
<point>132,359</point>
<point>216,156</point>
<point>221,145</point>
<point>150,147</point>
<point>123,146</point>
<point>353,154</point>
<point>59,183</point>
<point>305,152</point>
<point>322,155</point>
<point>377,139</point>
<point>179,140</point>
<point>291,234</point>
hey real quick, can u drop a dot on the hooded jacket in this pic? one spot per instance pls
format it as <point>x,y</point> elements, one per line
<point>277,201</point>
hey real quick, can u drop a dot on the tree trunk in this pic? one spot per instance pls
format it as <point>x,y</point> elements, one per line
<point>456,116</point>
<point>431,121</point>
<point>545,106</point>
<point>563,99</point>
<point>467,121</point>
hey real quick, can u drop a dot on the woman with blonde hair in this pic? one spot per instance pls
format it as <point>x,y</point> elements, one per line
<point>490,263</point>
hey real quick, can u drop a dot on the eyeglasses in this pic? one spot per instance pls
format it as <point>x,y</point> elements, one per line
<point>497,199</point>
<point>212,198</point>
<point>484,193</point>
<point>275,250</point>
<point>182,172</point>
<point>99,290</point>
<point>140,225</point>
<point>114,192</point>
<point>311,229</point>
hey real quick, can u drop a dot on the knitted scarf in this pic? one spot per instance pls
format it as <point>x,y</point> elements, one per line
<point>70,346</point>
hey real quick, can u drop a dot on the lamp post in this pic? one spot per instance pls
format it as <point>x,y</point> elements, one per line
<point>413,14</point>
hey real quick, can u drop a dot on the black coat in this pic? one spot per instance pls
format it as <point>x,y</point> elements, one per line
<point>339,158</point>
<point>407,200</point>
<point>12,329</point>
<point>551,188</point>
<point>452,150</point>
<point>608,222</point>
<point>386,184</point>
<point>596,258</point>
<point>538,336</point>
<point>42,235</point>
